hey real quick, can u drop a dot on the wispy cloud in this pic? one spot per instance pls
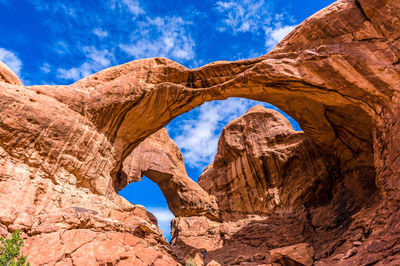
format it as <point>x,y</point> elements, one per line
<point>95,60</point>
<point>61,47</point>
<point>45,68</point>
<point>133,6</point>
<point>11,60</point>
<point>55,7</point>
<point>161,37</point>
<point>100,33</point>
<point>101,58</point>
<point>135,34</point>
<point>256,17</point>
<point>243,15</point>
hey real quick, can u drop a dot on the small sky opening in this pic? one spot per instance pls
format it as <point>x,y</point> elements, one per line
<point>148,194</point>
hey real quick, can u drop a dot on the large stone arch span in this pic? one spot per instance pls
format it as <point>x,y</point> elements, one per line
<point>334,74</point>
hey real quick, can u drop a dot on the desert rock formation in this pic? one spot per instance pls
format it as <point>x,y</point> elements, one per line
<point>159,159</point>
<point>273,191</point>
<point>63,147</point>
<point>263,164</point>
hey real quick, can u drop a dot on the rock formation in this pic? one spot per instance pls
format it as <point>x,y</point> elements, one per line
<point>262,164</point>
<point>62,148</point>
<point>159,158</point>
<point>267,180</point>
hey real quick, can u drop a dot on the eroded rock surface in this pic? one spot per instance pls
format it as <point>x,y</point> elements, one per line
<point>337,74</point>
<point>67,225</point>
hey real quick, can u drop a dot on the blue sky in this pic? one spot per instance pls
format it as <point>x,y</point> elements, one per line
<point>59,42</point>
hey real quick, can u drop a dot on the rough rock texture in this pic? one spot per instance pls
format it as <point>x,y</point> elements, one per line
<point>337,74</point>
<point>158,158</point>
<point>55,186</point>
<point>82,237</point>
<point>263,164</point>
<point>65,225</point>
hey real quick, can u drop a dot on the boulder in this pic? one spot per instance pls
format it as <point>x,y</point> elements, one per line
<point>302,254</point>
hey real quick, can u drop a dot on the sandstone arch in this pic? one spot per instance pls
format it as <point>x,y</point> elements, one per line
<point>335,79</point>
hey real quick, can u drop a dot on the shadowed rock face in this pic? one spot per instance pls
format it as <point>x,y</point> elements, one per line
<point>337,74</point>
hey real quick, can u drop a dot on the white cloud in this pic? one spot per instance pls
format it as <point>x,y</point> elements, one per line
<point>96,60</point>
<point>256,17</point>
<point>45,68</point>
<point>164,217</point>
<point>198,137</point>
<point>275,35</point>
<point>75,73</point>
<point>61,47</point>
<point>55,7</point>
<point>102,58</point>
<point>133,6</point>
<point>162,214</point>
<point>243,15</point>
<point>100,33</point>
<point>11,60</point>
<point>161,37</point>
